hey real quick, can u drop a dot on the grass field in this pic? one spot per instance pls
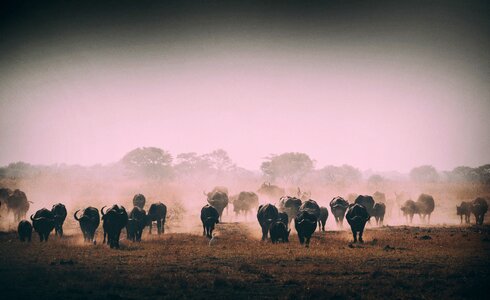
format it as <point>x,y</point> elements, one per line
<point>394,262</point>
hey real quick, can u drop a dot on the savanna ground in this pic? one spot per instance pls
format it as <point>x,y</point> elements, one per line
<point>437,262</point>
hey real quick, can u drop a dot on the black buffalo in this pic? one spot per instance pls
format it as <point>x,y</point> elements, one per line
<point>18,204</point>
<point>136,223</point>
<point>139,200</point>
<point>89,222</point>
<point>305,224</point>
<point>59,211</point>
<point>339,206</point>
<point>425,206</point>
<point>24,230</point>
<point>218,198</point>
<point>480,208</point>
<point>322,220</point>
<point>379,211</point>
<point>290,206</point>
<point>311,207</point>
<point>209,217</point>
<point>43,222</point>
<point>367,202</point>
<point>266,215</point>
<point>157,213</point>
<point>357,216</point>
<point>279,232</point>
<point>464,210</point>
<point>283,217</point>
<point>245,202</point>
<point>409,208</point>
<point>115,219</point>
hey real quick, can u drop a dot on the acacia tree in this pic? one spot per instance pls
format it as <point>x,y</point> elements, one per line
<point>424,173</point>
<point>148,162</point>
<point>290,167</point>
<point>344,173</point>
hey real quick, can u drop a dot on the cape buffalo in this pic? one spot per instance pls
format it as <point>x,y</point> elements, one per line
<point>270,191</point>
<point>279,232</point>
<point>464,210</point>
<point>89,222</point>
<point>305,224</point>
<point>158,213</point>
<point>209,217</point>
<point>409,208</point>
<point>115,219</point>
<point>266,215</point>
<point>289,205</point>
<point>480,208</point>
<point>24,230</point>
<point>18,204</point>
<point>218,198</point>
<point>4,194</point>
<point>379,211</point>
<point>357,216</point>
<point>367,202</point>
<point>245,202</point>
<point>322,220</point>
<point>283,217</point>
<point>59,212</point>
<point>425,206</point>
<point>139,200</point>
<point>136,223</point>
<point>312,207</point>
<point>379,197</point>
<point>339,206</point>
<point>43,223</point>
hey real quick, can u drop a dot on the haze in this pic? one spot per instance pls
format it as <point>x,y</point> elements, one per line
<point>387,100</point>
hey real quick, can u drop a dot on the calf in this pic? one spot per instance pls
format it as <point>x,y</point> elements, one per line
<point>209,217</point>
<point>24,230</point>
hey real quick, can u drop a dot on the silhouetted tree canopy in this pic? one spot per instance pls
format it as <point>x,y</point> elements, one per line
<point>148,161</point>
<point>344,173</point>
<point>425,173</point>
<point>291,166</point>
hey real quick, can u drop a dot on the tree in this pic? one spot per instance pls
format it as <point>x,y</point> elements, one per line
<point>425,173</point>
<point>219,160</point>
<point>375,179</point>
<point>344,173</point>
<point>291,166</point>
<point>149,162</point>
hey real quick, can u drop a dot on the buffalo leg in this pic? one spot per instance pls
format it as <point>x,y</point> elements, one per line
<point>264,233</point>
<point>151,225</point>
<point>301,239</point>
<point>159,226</point>
<point>360,236</point>
<point>307,243</point>
<point>354,234</point>
<point>203,229</point>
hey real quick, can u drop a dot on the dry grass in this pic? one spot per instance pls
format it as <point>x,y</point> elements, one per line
<point>395,262</point>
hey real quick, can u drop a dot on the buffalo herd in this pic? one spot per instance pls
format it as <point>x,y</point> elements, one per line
<point>274,220</point>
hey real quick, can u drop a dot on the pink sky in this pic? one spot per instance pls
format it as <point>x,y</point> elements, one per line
<point>389,111</point>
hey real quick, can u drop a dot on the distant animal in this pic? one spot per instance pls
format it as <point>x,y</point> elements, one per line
<point>270,191</point>
<point>114,220</point>
<point>338,207</point>
<point>89,222</point>
<point>305,224</point>
<point>289,205</point>
<point>409,208</point>
<point>4,194</point>
<point>357,216</point>
<point>279,232</point>
<point>379,211</point>
<point>245,202</point>
<point>322,220</point>
<point>18,204</point>
<point>209,217</point>
<point>283,217</point>
<point>303,195</point>
<point>480,208</point>
<point>367,202</point>
<point>379,197</point>
<point>218,198</point>
<point>158,213</point>
<point>139,200</point>
<point>352,197</point>
<point>464,210</point>
<point>43,222</point>
<point>136,223</point>
<point>24,230</point>
<point>59,211</point>
<point>425,206</point>
<point>266,215</point>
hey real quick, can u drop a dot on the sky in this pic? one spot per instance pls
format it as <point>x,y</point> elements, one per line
<point>375,85</point>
